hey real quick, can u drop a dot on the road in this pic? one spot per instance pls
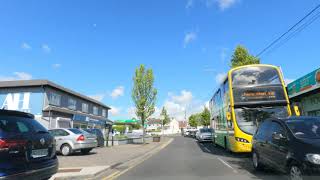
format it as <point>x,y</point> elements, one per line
<point>186,159</point>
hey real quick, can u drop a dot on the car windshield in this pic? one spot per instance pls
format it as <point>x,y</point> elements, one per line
<point>255,76</point>
<point>249,118</point>
<point>76,131</point>
<point>305,128</point>
<point>205,130</point>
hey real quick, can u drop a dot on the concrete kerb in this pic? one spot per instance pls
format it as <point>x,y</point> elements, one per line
<point>96,171</point>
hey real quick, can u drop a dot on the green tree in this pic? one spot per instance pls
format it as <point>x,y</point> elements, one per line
<point>205,117</point>
<point>165,117</point>
<point>144,94</point>
<point>193,120</point>
<point>242,57</point>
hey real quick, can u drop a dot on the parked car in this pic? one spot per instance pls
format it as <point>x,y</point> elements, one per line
<point>71,140</point>
<point>27,150</point>
<point>204,134</point>
<point>291,145</point>
<point>193,133</point>
<point>187,133</point>
<point>99,134</point>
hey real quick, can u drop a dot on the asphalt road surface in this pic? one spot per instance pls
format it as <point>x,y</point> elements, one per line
<point>186,159</point>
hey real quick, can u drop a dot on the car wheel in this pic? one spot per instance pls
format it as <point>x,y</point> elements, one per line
<point>295,172</point>
<point>85,151</point>
<point>256,161</point>
<point>66,149</point>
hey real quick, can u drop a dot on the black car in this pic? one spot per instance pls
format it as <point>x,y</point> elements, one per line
<point>291,145</point>
<point>27,150</point>
<point>99,135</point>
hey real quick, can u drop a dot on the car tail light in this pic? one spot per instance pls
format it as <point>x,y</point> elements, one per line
<point>80,138</point>
<point>6,144</point>
<point>242,140</point>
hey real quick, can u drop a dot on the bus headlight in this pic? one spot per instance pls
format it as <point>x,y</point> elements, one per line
<point>313,158</point>
<point>241,140</point>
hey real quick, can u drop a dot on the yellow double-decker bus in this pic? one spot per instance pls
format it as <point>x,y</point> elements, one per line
<point>248,95</point>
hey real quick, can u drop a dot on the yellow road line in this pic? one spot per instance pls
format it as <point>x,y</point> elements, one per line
<point>111,176</point>
<point>118,173</point>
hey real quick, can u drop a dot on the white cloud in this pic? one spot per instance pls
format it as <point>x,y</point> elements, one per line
<point>25,45</point>
<point>16,76</point>
<point>56,66</point>
<point>98,97</point>
<point>184,98</point>
<point>220,77</point>
<point>176,105</point>
<point>225,4</point>
<point>288,81</point>
<point>117,92</point>
<point>46,48</point>
<point>189,4</point>
<point>131,112</point>
<point>114,111</point>
<point>188,38</point>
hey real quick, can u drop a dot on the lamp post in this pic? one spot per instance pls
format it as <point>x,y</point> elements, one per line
<point>162,118</point>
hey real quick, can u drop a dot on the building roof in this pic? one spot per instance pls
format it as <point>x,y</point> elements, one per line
<point>183,124</point>
<point>41,82</point>
<point>153,121</point>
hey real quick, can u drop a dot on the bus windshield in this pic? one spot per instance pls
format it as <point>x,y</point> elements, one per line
<point>260,75</point>
<point>249,118</point>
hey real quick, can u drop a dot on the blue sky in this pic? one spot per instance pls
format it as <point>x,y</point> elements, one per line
<point>94,46</point>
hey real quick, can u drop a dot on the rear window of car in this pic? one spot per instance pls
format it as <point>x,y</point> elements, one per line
<point>206,130</point>
<point>9,124</point>
<point>76,131</point>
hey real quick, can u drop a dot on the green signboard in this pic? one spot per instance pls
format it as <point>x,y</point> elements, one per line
<point>304,84</point>
<point>128,121</point>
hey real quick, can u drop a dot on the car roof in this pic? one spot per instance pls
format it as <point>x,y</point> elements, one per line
<point>282,120</point>
<point>4,112</point>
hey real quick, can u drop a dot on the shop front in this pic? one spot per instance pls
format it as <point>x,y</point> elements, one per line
<point>305,93</point>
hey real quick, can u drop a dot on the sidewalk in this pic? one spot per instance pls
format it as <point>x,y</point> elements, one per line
<point>79,166</point>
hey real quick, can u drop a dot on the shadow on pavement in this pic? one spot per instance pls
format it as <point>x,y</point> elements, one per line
<point>78,154</point>
<point>241,162</point>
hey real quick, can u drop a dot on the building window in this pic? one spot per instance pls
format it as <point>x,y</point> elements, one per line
<point>95,110</point>
<point>55,99</point>
<point>85,107</point>
<point>72,103</point>
<point>104,113</point>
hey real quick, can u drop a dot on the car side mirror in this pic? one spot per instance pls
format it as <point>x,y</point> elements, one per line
<point>296,110</point>
<point>228,116</point>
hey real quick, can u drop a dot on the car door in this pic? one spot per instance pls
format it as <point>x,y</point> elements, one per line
<point>60,136</point>
<point>278,145</point>
<point>260,139</point>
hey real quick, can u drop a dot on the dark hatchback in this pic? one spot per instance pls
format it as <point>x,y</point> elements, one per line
<point>99,135</point>
<point>291,145</point>
<point>27,150</point>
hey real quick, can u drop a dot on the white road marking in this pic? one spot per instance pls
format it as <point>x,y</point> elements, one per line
<point>225,163</point>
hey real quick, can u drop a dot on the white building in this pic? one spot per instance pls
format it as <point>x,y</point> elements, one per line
<point>172,127</point>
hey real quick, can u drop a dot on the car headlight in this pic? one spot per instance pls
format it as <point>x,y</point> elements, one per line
<point>313,158</point>
<point>201,136</point>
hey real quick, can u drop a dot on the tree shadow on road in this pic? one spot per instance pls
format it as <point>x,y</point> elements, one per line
<point>240,162</point>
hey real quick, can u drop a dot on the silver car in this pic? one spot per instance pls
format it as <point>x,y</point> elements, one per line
<point>205,134</point>
<point>71,140</point>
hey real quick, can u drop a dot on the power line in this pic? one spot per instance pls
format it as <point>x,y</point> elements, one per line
<point>297,31</point>
<point>290,29</point>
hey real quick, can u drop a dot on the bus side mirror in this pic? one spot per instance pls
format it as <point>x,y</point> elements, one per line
<point>296,110</point>
<point>228,116</point>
